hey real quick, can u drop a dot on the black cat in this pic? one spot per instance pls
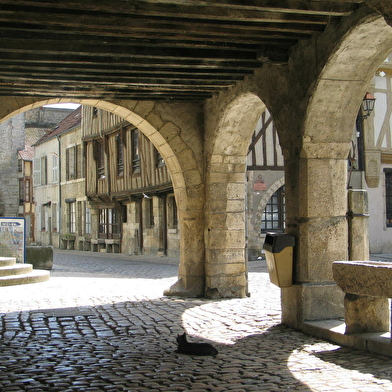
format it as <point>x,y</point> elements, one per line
<point>185,347</point>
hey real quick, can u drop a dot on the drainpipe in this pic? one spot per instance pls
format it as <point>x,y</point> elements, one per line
<point>59,203</point>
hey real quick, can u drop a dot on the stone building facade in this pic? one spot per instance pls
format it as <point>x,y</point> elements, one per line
<point>38,122</point>
<point>58,182</point>
<point>11,141</point>
<point>16,137</point>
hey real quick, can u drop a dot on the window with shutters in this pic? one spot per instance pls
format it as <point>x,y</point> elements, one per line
<point>74,162</point>
<point>87,227</point>
<point>120,155</point>
<point>100,158</point>
<point>44,173</point>
<point>55,169</point>
<point>72,217</point>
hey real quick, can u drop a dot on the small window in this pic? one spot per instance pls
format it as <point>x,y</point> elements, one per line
<point>55,169</point>
<point>159,159</point>
<point>74,162</point>
<point>120,156</point>
<point>72,217</point>
<point>274,213</point>
<point>21,191</point>
<point>27,190</point>
<point>100,159</point>
<point>79,223</point>
<point>44,176</point>
<point>135,151</point>
<point>87,228</point>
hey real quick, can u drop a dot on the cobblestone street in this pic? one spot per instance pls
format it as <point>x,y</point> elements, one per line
<point>101,324</point>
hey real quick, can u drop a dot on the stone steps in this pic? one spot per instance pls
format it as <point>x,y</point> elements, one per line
<point>12,274</point>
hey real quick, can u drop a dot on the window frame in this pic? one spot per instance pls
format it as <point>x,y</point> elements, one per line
<point>136,160</point>
<point>275,206</point>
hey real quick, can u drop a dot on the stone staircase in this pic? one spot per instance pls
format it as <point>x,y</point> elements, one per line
<point>12,274</point>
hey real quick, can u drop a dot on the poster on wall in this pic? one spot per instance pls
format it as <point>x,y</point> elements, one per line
<point>13,238</point>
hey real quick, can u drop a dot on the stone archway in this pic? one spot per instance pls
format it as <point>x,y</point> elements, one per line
<point>226,149</point>
<point>316,177</point>
<point>175,131</point>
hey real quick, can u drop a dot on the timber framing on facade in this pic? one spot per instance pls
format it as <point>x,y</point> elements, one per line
<point>128,187</point>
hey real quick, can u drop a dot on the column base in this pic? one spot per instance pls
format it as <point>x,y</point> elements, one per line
<point>311,301</point>
<point>193,290</point>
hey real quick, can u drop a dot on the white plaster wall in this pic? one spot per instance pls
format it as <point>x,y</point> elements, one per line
<point>45,193</point>
<point>380,236</point>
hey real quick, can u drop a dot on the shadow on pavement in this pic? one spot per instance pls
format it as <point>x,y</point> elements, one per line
<point>130,346</point>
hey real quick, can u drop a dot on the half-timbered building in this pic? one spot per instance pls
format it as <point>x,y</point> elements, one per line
<point>376,133</point>
<point>129,188</point>
<point>265,185</point>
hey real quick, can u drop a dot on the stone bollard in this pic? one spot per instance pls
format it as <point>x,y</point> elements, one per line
<point>41,257</point>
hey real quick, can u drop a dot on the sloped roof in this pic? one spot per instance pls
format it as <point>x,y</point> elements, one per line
<point>71,121</point>
<point>27,154</point>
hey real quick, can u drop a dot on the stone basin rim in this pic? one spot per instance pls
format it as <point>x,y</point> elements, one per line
<point>368,263</point>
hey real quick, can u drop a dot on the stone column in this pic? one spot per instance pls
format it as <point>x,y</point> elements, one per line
<point>358,224</point>
<point>191,270</point>
<point>316,215</point>
<point>225,228</point>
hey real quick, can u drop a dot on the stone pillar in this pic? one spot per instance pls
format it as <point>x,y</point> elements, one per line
<point>94,222</point>
<point>358,224</point>
<point>365,314</point>
<point>225,268</point>
<point>316,215</point>
<point>191,271</point>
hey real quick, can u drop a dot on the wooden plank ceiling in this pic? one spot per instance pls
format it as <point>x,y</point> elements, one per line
<point>149,49</point>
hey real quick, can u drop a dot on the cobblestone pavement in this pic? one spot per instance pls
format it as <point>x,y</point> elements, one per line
<point>101,324</point>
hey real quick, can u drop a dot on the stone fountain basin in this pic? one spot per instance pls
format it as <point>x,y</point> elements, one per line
<point>372,278</point>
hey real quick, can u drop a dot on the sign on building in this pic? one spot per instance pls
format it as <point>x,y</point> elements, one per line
<point>13,238</point>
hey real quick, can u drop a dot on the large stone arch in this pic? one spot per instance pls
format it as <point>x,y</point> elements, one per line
<point>316,168</point>
<point>175,131</point>
<point>227,141</point>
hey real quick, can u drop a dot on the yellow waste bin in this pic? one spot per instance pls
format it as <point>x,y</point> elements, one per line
<point>279,256</point>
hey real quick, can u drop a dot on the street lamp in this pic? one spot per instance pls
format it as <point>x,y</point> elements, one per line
<point>367,105</point>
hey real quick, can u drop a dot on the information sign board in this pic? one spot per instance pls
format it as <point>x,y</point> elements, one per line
<point>13,238</point>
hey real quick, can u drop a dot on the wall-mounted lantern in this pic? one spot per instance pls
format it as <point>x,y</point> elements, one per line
<point>367,105</point>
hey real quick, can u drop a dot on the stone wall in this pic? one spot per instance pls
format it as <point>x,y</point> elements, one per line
<point>11,140</point>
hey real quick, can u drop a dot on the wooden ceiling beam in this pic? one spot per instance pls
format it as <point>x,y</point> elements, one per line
<point>120,70</point>
<point>186,7</point>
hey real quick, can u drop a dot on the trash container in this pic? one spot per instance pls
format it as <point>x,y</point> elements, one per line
<point>279,255</point>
